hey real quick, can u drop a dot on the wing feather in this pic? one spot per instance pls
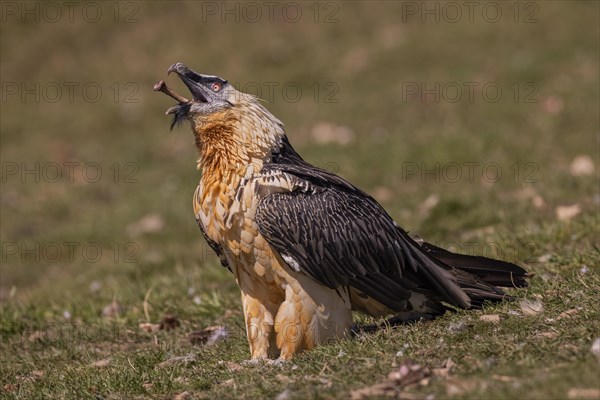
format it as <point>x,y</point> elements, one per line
<point>340,236</point>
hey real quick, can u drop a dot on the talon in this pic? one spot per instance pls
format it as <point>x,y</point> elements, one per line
<point>252,362</point>
<point>280,362</point>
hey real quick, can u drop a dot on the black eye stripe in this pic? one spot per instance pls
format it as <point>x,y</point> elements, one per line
<point>218,80</point>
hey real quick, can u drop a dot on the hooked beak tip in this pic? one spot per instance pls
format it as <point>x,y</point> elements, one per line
<point>177,68</point>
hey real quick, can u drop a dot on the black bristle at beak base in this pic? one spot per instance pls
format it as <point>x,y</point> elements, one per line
<point>179,114</point>
<point>180,110</point>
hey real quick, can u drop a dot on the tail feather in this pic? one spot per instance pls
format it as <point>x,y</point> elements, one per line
<point>494,272</point>
<point>478,290</point>
<point>439,276</point>
<point>478,277</point>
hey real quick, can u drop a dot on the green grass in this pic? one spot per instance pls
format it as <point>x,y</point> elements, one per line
<point>51,309</point>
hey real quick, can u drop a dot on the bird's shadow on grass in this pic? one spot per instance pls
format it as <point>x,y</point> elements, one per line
<point>399,320</point>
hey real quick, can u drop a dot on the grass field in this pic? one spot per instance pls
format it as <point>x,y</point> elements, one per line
<point>479,131</point>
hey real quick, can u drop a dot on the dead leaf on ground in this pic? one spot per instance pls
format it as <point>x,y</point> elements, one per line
<point>429,203</point>
<point>188,358</point>
<point>552,104</point>
<point>355,59</point>
<point>546,335</point>
<point>37,336</point>
<point>10,387</point>
<point>208,336</point>
<point>579,393</point>
<point>231,366</point>
<point>383,194</point>
<point>582,165</point>
<point>529,194</point>
<point>445,370</point>
<point>228,382</point>
<point>32,376</point>
<point>531,307</point>
<point>147,327</point>
<point>459,387</point>
<point>408,374</point>
<point>458,327</point>
<point>538,201</point>
<point>596,348</point>
<point>283,378</point>
<point>285,395</point>
<point>324,382</point>
<point>101,363</point>
<point>182,396</point>
<point>325,132</point>
<point>112,310</point>
<point>491,318</point>
<point>150,223</point>
<point>504,378</point>
<point>95,286</point>
<point>169,322</point>
<point>565,213</point>
<point>567,314</point>
<point>181,380</point>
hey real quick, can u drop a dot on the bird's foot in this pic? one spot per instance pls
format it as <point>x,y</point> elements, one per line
<point>278,362</point>
<point>252,362</point>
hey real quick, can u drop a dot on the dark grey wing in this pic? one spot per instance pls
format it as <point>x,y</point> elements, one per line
<point>339,235</point>
<point>342,237</point>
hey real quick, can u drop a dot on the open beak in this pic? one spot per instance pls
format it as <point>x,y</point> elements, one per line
<point>197,84</point>
<point>192,80</point>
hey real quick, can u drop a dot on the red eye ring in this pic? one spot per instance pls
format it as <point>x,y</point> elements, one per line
<point>215,87</point>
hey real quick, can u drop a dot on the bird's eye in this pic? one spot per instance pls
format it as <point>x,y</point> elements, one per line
<point>215,87</point>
